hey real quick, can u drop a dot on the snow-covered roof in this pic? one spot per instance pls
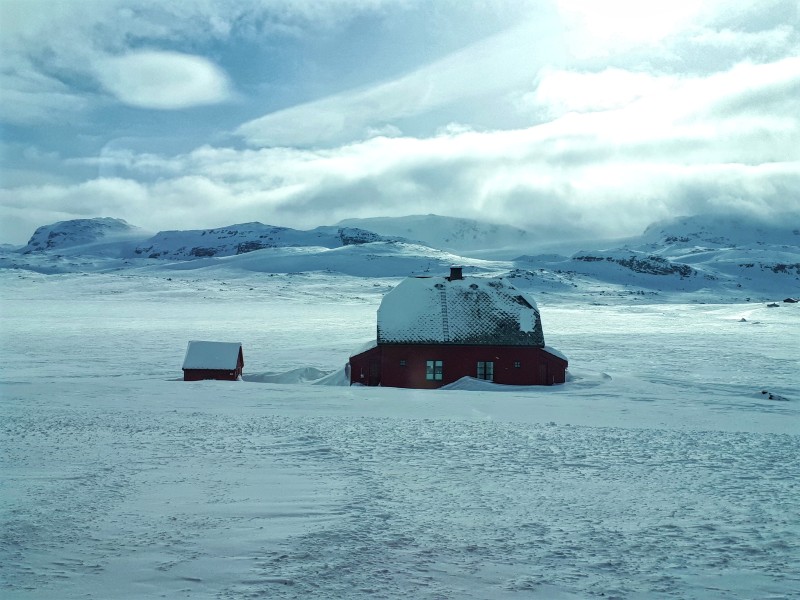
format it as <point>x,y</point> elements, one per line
<point>556,353</point>
<point>473,310</point>
<point>212,355</point>
<point>364,348</point>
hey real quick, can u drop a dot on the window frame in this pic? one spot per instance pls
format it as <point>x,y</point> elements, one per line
<point>434,370</point>
<point>485,370</point>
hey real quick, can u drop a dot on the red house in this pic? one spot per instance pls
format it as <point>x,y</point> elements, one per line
<point>435,330</point>
<point>213,360</point>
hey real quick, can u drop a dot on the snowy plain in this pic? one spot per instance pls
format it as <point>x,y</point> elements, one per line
<point>660,470</point>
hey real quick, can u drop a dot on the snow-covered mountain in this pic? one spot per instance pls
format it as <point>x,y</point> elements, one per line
<point>247,237</point>
<point>692,253</point>
<point>704,231</point>
<point>729,256</point>
<point>374,259</point>
<point>731,248</point>
<point>103,236</point>
<point>465,236</point>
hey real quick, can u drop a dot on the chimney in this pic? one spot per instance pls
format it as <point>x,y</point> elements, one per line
<point>455,274</point>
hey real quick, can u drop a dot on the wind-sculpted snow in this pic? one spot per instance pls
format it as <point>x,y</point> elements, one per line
<point>666,466</point>
<point>247,501</point>
<point>435,501</point>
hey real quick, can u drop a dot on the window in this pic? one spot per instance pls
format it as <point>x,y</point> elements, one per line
<point>433,370</point>
<point>516,364</point>
<point>402,363</point>
<point>486,370</point>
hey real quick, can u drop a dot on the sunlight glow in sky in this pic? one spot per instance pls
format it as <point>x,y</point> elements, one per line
<point>568,117</point>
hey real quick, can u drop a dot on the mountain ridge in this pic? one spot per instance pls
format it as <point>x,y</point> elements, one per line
<point>248,237</point>
<point>683,254</point>
<point>448,233</point>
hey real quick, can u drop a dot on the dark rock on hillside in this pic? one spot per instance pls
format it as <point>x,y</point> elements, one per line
<point>351,236</point>
<point>651,265</point>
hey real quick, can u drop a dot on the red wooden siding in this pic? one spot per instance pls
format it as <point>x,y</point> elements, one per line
<point>361,365</point>
<point>404,365</point>
<point>200,374</point>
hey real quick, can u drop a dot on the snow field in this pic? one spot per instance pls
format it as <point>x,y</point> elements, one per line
<point>658,471</point>
<point>240,495</point>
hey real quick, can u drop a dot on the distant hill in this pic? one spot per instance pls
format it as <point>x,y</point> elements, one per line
<point>691,253</point>
<point>373,259</point>
<point>102,236</point>
<point>704,231</point>
<point>247,237</point>
<point>447,233</point>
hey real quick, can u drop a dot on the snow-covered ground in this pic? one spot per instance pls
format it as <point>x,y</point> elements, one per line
<point>660,470</point>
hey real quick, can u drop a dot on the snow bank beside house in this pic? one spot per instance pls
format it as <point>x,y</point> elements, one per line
<point>337,378</point>
<point>298,375</point>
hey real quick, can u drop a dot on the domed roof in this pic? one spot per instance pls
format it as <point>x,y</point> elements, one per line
<point>472,310</point>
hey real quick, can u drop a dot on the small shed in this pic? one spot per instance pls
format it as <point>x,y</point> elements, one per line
<point>213,360</point>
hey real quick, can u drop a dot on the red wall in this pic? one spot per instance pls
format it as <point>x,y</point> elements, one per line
<point>537,367</point>
<point>362,367</point>
<point>200,374</point>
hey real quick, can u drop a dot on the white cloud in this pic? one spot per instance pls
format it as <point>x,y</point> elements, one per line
<point>29,96</point>
<point>104,196</point>
<point>748,103</point>
<point>497,72</point>
<point>493,66</point>
<point>669,109</point>
<point>581,174</point>
<point>22,107</point>
<point>559,92</point>
<point>48,49</point>
<point>163,80</point>
<point>595,29</point>
<point>766,42</point>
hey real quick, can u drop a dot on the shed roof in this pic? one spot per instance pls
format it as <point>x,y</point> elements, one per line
<point>212,355</point>
<point>365,347</point>
<point>473,310</point>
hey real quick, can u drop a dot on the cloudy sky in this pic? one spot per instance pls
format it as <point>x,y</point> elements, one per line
<point>567,117</point>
